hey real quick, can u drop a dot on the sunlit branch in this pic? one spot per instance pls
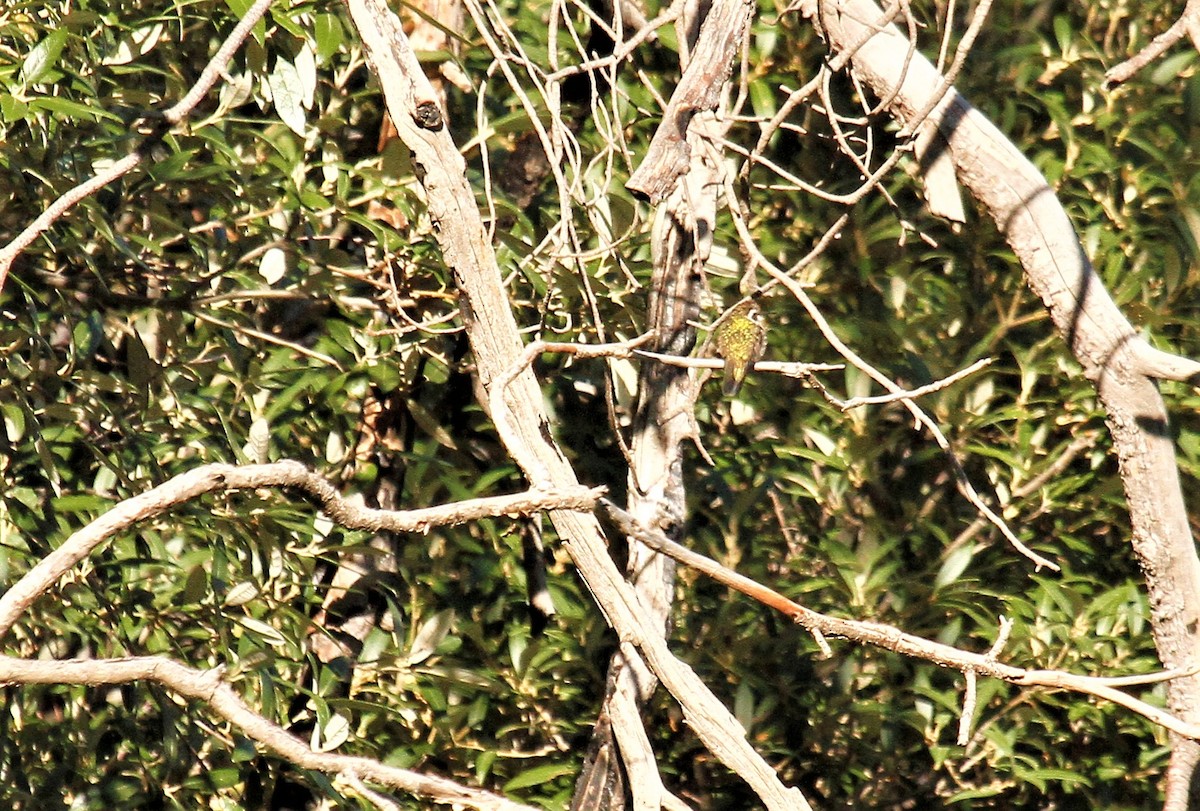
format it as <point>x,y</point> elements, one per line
<point>1187,25</point>
<point>893,639</point>
<point>210,688</point>
<point>222,477</point>
<point>937,385</point>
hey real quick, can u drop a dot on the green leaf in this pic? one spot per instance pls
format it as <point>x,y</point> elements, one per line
<point>12,109</point>
<point>71,109</point>
<point>172,166</point>
<point>14,421</point>
<point>329,35</point>
<point>43,58</point>
<point>954,565</point>
<point>244,750</point>
<point>430,635</point>
<point>287,94</point>
<point>1170,68</point>
<point>539,775</point>
<point>224,778</point>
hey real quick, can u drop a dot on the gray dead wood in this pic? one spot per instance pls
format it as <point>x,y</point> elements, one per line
<point>518,410</point>
<point>1117,360</point>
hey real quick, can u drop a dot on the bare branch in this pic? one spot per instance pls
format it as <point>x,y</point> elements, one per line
<point>354,784</point>
<point>1042,236</point>
<point>215,68</point>
<point>496,345</point>
<point>208,686</point>
<point>786,368</point>
<point>1185,26</point>
<point>970,698</point>
<point>649,32</point>
<point>699,90</point>
<point>221,477</point>
<point>937,385</point>
<point>893,639</point>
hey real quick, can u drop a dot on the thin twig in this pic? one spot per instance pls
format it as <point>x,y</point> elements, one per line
<point>937,385</point>
<point>269,338</point>
<point>1064,460</point>
<point>970,698</point>
<point>1186,25</point>
<point>787,368</point>
<point>215,68</point>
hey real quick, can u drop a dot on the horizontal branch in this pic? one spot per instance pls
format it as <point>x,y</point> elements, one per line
<point>897,641</point>
<point>786,368</point>
<point>208,687</point>
<point>222,477</point>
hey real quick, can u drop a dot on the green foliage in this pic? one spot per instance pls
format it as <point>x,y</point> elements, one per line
<point>246,274</point>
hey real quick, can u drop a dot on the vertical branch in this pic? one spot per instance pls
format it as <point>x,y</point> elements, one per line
<point>516,403</point>
<point>681,241</point>
<point>1120,363</point>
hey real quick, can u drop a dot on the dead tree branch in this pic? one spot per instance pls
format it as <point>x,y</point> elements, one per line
<point>699,90</point>
<point>209,688</point>
<point>893,639</point>
<point>496,345</point>
<point>1118,361</point>
<point>1188,25</point>
<point>221,477</point>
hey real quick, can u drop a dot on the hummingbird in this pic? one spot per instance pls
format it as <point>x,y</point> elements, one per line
<point>741,339</point>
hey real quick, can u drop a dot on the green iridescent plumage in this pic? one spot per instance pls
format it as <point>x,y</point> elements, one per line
<point>741,339</point>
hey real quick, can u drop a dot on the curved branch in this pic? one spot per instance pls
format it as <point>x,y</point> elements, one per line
<point>221,477</point>
<point>207,686</point>
<point>1114,357</point>
<point>1188,25</point>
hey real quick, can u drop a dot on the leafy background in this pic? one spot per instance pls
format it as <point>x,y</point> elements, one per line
<point>248,274</point>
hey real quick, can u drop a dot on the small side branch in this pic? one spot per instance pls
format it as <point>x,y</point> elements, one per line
<point>785,368</point>
<point>1187,25</point>
<point>937,385</point>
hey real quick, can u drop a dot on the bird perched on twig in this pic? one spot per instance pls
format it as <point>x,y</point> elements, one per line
<point>741,339</point>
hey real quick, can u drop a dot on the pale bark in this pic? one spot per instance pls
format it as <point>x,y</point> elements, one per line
<point>1118,361</point>
<point>516,403</point>
<point>210,688</point>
